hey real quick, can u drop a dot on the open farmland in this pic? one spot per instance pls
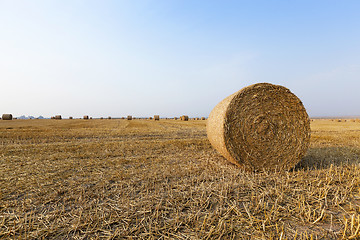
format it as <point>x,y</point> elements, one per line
<point>143,179</point>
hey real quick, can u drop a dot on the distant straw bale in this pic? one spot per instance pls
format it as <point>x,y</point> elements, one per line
<point>129,117</point>
<point>7,116</point>
<point>184,118</point>
<point>175,118</point>
<point>57,117</point>
<point>109,117</point>
<point>202,118</point>
<point>156,117</point>
<point>260,127</point>
<point>86,117</point>
<point>70,117</point>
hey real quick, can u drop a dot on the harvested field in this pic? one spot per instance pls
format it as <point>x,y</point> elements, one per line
<point>75,179</point>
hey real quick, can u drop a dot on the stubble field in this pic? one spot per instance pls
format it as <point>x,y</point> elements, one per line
<point>143,179</point>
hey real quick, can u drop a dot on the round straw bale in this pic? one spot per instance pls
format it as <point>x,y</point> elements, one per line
<point>109,117</point>
<point>52,117</point>
<point>175,118</point>
<point>129,117</point>
<point>202,118</point>
<point>58,117</point>
<point>156,117</point>
<point>260,127</point>
<point>184,118</point>
<point>6,116</point>
<point>70,117</point>
<point>86,117</point>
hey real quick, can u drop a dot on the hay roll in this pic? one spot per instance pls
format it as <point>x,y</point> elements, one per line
<point>57,117</point>
<point>129,117</point>
<point>7,116</point>
<point>86,117</point>
<point>156,117</point>
<point>70,117</point>
<point>260,127</point>
<point>184,118</point>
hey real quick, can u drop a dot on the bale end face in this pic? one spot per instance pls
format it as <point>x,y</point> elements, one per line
<point>260,127</point>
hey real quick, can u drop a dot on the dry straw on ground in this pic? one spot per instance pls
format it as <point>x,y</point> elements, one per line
<point>7,117</point>
<point>156,117</point>
<point>262,126</point>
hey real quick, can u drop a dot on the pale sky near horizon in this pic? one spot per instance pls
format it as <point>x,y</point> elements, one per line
<point>175,57</point>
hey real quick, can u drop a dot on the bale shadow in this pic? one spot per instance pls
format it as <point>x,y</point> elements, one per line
<point>324,157</point>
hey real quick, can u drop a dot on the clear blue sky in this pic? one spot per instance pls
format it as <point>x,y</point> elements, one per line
<point>175,57</point>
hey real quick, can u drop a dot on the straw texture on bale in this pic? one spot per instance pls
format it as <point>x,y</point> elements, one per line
<point>86,117</point>
<point>260,127</point>
<point>129,117</point>
<point>7,117</point>
<point>58,117</point>
<point>156,117</point>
